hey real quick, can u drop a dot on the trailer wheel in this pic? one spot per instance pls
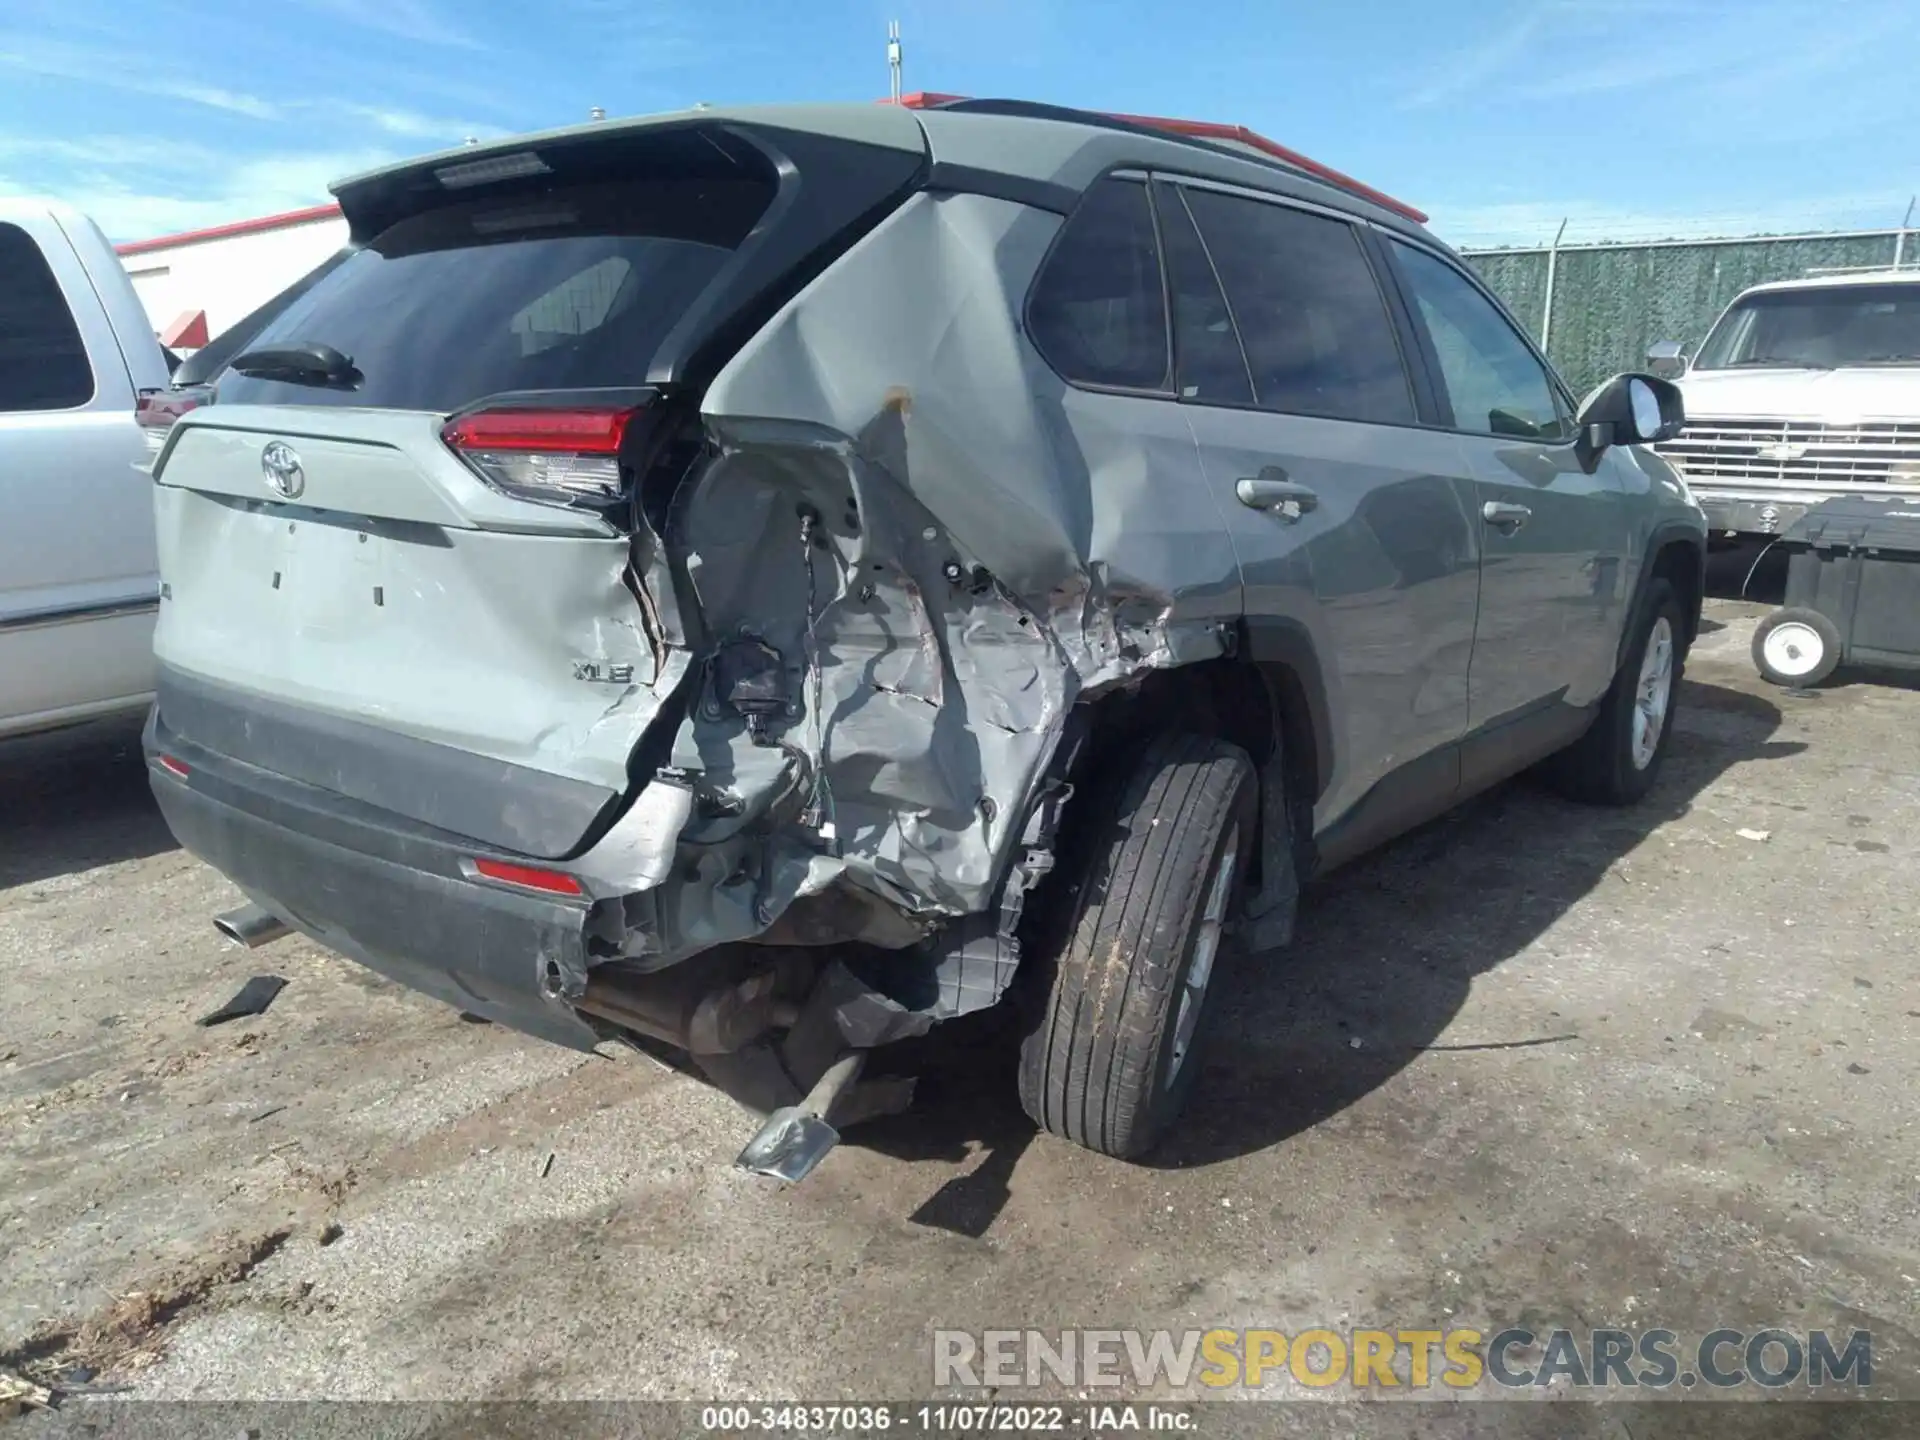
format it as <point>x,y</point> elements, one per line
<point>1796,647</point>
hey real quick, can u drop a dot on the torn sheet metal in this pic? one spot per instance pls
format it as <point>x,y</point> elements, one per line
<point>946,548</point>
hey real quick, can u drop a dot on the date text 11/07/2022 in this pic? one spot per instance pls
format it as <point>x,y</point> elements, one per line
<point>957,1418</point>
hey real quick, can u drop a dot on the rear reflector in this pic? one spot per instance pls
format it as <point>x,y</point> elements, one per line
<point>174,767</point>
<point>552,457</point>
<point>526,877</point>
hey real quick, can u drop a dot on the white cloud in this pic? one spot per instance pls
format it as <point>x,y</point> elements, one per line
<point>211,96</point>
<point>119,69</point>
<point>647,37</point>
<point>406,19</point>
<point>1468,70</point>
<point>412,125</point>
<point>1706,56</point>
<point>130,206</point>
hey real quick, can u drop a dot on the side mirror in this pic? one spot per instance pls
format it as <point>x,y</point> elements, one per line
<point>1667,359</point>
<point>1632,410</point>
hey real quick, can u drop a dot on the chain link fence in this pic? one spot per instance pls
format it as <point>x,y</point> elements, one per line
<point>1596,307</point>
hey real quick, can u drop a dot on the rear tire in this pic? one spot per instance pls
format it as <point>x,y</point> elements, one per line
<point>1112,1054</point>
<point>1796,647</point>
<point>1618,759</point>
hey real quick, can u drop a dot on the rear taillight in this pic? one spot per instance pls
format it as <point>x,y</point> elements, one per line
<point>156,410</point>
<point>552,457</point>
<point>174,767</point>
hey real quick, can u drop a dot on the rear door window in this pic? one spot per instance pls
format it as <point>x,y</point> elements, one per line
<point>572,289</point>
<point>1496,384</point>
<point>43,361</point>
<point>1099,310</point>
<point>1309,311</point>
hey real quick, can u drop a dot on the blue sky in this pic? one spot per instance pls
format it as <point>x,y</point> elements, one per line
<point>1629,118</point>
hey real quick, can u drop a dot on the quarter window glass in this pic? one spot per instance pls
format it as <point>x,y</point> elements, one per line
<point>1496,385</point>
<point>1209,365</point>
<point>1099,313</point>
<point>43,362</point>
<point>1308,310</point>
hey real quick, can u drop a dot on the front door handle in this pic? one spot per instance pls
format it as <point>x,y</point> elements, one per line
<point>1271,491</point>
<point>1505,517</point>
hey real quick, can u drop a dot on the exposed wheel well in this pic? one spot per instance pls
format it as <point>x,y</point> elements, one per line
<point>1262,709</point>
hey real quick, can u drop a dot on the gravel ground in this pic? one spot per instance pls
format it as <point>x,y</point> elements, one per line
<point>1533,1063</point>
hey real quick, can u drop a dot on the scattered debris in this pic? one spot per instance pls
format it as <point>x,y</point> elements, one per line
<point>330,1232</point>
<point>270,1111</point>
<point>1862,982</point>
<point>130,1332</point>
<point>1745,834</point>
<point>1856,1068</point>
<point>1872,847</point>
<point>546,1165</point>
<point>252,999</point>
<point>1506,1044</point>
<point>1354,1042</point>
<point>17,1394</point>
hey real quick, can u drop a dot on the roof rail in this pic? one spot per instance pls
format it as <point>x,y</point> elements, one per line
<point>1202,130</point>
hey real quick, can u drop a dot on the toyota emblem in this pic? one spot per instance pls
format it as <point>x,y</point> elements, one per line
<point>282,469</point>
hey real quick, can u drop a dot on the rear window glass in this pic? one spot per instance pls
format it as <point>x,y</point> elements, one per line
<point>571,289</point>
<point>43,362</point>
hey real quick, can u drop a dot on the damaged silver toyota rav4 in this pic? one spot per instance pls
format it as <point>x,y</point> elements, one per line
<point>761,583</point>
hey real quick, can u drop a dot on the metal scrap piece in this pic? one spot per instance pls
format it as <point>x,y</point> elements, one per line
<point>251,999</point>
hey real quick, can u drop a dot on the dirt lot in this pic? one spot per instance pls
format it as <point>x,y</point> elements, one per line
<point>1534,1063</point>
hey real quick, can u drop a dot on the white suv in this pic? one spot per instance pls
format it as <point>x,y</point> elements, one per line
<point>1804,390</point>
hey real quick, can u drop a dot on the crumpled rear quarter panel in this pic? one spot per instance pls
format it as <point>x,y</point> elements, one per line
<point>990,544</point>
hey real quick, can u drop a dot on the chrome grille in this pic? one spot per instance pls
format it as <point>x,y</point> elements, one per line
<point>1804,452</point>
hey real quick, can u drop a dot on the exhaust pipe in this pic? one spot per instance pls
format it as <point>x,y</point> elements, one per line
<point>796,1138</point>
<point>252,926</point>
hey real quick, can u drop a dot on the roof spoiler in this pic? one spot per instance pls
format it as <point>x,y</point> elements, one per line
<point>1210,130</point>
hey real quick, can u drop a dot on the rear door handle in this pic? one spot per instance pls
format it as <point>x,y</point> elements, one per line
<point>1273,492</point>
<point>1503,516</point>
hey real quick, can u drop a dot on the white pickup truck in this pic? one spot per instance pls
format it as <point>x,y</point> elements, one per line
<point>1804,390</point>
<point>78,579</point>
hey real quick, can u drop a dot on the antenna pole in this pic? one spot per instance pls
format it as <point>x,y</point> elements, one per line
<point>893,59</point>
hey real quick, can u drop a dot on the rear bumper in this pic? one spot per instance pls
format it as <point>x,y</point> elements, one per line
<point>396,901</point>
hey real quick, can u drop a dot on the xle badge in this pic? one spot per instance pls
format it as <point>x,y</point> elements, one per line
<point>602,673</point>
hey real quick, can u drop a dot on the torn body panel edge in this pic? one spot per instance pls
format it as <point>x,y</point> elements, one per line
<point>897,608</point>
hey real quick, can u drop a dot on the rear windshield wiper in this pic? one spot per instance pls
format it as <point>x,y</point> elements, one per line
<point>299,365</point>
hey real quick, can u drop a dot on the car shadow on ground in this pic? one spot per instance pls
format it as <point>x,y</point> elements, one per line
<point>1386,952</point>
<point>73,799</point>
